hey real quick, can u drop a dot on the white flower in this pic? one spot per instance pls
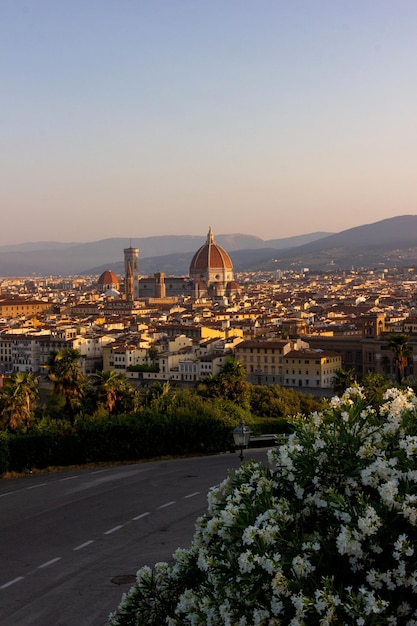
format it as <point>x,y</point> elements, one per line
<point>369,523</point>
<point>388,491</point>
<point>246,562</point>
<point>301,566</point>
<point>348,542</point>
<point>409,444</point>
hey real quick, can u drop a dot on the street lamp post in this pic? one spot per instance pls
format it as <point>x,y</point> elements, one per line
<point>241,435</point>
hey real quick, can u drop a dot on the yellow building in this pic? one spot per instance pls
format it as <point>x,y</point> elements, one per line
<point>288,363</point>
<point>20,307</point>
<point>263,360</point>
<point>311,369</point>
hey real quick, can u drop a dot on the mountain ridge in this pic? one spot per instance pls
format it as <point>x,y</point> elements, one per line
<point>54,258</point>
<point>389,242</point>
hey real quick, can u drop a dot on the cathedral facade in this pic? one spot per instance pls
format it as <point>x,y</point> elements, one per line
<point>210,277</point>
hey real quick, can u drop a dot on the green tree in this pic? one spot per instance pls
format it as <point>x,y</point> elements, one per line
<point>159,396</point>
<point>65,373</point>
<point>152,355</point>
<point>374,387</point>
<point>398,344</point>
<point>342,380</point>
<point>276,401</point>
<point>230,383</point>
<point>114,391</point>
<point>107,386</point>
<point>18,401</point>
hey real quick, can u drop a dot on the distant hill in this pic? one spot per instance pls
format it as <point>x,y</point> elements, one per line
<point>175,253</point>
<point>388,243</point>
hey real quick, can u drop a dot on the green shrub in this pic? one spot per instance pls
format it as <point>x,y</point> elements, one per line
<point>267,425</point>
<point>4,452</point>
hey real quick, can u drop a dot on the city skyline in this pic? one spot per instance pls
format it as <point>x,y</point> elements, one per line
<point>144,119</point>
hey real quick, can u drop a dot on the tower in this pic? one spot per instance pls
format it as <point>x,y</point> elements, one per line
<point>160,291</point>
<point>131,273</point>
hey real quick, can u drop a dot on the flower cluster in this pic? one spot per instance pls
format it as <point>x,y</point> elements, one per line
<point>325,534</point>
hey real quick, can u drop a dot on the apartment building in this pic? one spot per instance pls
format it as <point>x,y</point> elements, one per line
<point>6,359</point>
<point>191,370</point>
<point>29,352</point>
<point>311,369</point>
<point>368,352</point>
<point>119,356</point>
<point>264,359</point>
<point>22,307</point>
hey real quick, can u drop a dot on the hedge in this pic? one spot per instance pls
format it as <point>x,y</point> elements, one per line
<point>118,439</point>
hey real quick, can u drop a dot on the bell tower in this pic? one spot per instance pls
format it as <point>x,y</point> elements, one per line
<point>131,272</point>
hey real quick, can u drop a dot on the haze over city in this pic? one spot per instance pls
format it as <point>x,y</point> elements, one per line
<point>143,118</point>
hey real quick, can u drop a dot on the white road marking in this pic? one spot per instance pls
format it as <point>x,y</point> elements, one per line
<point>11,582</point>
<point>84,545</point>
<point>99,471</point>
<point>8,493</point>
<point>68,478</point>
<point>140,516</point>
<point>163,506</point>
<point>48,563</point>
<point>113,530</point>
<point>191,495</point>
<point>36,486</point>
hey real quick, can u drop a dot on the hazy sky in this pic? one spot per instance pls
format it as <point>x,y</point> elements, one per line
<point>132,118</point>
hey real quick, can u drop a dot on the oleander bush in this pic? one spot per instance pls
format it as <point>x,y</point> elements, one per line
<point>324,534</point>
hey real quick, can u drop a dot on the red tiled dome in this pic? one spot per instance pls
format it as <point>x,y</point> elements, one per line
<point>108,278</point>
<point>232,286</point>
<point>210,256</point>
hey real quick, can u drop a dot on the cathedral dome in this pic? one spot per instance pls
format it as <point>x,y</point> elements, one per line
<point>107,280</point>
<point>210,257</point>
<point>211,269</point>
<point>232,287</point>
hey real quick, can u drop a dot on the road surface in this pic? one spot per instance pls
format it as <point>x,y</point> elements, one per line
<point>71,542</point>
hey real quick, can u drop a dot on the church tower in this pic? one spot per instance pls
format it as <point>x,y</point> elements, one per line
<point>131,273</point>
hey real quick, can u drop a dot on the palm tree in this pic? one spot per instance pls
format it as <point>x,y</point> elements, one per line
<point>398,344</point>
<point>69,382</point>
<point>159,396</point>
<point>18,400</point>
<point>111,386</point>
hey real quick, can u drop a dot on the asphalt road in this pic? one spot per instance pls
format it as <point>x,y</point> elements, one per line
<point>71,542</point>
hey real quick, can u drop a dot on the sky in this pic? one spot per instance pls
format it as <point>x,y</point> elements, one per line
<point>135,118</point>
